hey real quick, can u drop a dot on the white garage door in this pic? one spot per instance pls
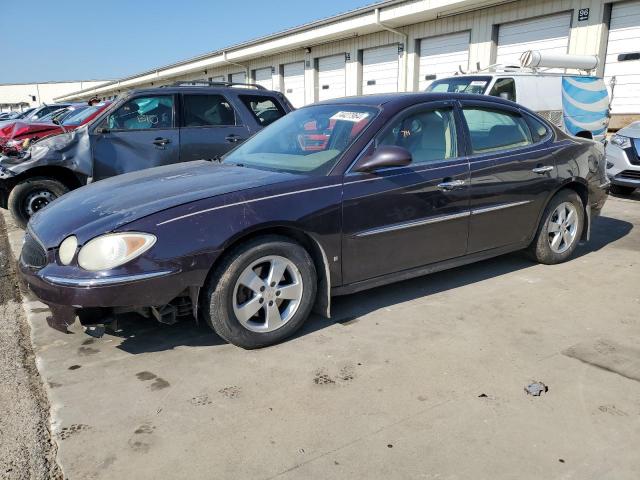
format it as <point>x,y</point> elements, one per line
<point>548,34</point>
<point>264,77</point>
<point>240,77</point>
<point>624,37</point>
<point>441,56</point>
<point>331,77</point>
<point>294,83</point>
<point>218,78</point>
<point>380,69</point>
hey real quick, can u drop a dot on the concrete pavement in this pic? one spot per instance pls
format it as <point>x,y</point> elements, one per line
<point>421,379</point>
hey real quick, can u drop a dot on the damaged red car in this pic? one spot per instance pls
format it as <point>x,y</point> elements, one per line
<point>17,136</point>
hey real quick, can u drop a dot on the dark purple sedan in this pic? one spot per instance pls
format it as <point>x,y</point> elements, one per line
<point>396,186</point>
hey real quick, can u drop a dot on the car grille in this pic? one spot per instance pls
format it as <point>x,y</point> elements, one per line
<point>631,174</point>
<point>33,255</point>
<point>552,116</point>
<point>633,153</point>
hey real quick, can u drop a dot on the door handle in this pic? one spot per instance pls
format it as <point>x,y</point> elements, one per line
<point>542,170</point>
<point>451,185</point>
<point>161,142</point>
<point>233,138</point>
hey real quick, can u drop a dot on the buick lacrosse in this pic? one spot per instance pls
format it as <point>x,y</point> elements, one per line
<point>334,198</point>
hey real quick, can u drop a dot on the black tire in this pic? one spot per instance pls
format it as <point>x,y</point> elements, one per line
<point>620,190</point>
<point>21,196</point>
<point>540,249</point>
<point>216,304</point>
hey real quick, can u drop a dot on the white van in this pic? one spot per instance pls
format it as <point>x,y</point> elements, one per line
<point>579,104</point>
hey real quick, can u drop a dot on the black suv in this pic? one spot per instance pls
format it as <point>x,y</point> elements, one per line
<point>144,128</point>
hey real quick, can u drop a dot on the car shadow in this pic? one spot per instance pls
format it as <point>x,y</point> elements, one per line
<point>634,196</point>
<point>146,335</point>
<point>143,335</point>
<point>349,308</point>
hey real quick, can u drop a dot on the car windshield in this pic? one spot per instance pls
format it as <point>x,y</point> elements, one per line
<point>25,113</point>
<point>79,115</point>
<point>50,116</point>
<point>309,140</point>
<point>476,85</point>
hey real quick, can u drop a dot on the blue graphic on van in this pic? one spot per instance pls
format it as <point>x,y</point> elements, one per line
<point>585,105</point>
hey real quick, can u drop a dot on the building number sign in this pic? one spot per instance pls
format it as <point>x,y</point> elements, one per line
<point>583,14</point>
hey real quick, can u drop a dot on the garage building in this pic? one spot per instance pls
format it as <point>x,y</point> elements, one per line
<point>403,45</point>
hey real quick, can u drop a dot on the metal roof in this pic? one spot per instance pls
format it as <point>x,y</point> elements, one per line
<point>283,33</point>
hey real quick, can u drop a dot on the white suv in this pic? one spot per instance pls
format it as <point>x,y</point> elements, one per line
<point>623,159</point>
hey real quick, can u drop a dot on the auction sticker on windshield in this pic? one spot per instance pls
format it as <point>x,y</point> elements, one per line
<point>350,116</point>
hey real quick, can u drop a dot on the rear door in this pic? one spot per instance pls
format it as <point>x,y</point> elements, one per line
<point>210,126</point>
<point>141,133</point>
<point>512,173</point>
<point>405,217</point>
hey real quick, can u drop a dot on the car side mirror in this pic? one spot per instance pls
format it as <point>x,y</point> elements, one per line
<point>384,157</point>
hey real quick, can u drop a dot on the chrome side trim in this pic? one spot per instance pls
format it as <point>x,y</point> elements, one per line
<point>442,218</point>
<point>416,223</point>
<point>246,202</point>
<point>501,206</point>
<point>97,282</point>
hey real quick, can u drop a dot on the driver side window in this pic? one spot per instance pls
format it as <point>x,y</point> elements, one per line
<point>430,135</point>
<point>143,113</point>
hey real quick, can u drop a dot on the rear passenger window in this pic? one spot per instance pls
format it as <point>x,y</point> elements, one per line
<point>538,129</point>
<point>207,111</point>
<point>494,130</point>
<point>264,109</point>
<point>430,135</point>
<point>504,88</point>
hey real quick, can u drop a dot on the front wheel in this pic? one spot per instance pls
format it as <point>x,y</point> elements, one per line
<point>32,195</point>
<point>261,293</point>
<point>560,229</point>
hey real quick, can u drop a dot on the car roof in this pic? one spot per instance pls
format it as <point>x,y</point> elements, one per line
<point>378,100</point>
<point>200,88</point>
<point>516,73</point>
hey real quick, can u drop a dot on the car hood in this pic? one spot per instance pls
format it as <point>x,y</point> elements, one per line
<point>22,128</point>
<point>71,150</point>
<point>108,204</point>
<point>632,130</point>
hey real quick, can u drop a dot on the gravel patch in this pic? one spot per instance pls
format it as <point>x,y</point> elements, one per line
<point>26,448</point>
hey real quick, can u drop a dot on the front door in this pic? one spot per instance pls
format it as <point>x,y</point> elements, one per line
<point>210,127</point>
<point>405,217</point>
<point>142,133</point>
<point>512,174</point>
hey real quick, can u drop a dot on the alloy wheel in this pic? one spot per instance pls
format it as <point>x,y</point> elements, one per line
<point>267,294</point>
<point>563,227</point>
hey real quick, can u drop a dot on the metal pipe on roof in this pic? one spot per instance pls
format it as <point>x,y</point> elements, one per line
<point>246,68</point>
<point>405,42</point>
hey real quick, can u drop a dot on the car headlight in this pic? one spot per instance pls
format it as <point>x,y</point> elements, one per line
<point>621,141</point>
<point>67,249</point>
<point>114,249</point>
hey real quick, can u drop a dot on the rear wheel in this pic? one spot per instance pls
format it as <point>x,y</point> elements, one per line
<point>620,190</point>
<point>560,229</point>
<point>31,196</point>
<point>261,293</point>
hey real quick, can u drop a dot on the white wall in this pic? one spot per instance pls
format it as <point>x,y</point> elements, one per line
<point>410,18</point>
<point>15,94</point>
